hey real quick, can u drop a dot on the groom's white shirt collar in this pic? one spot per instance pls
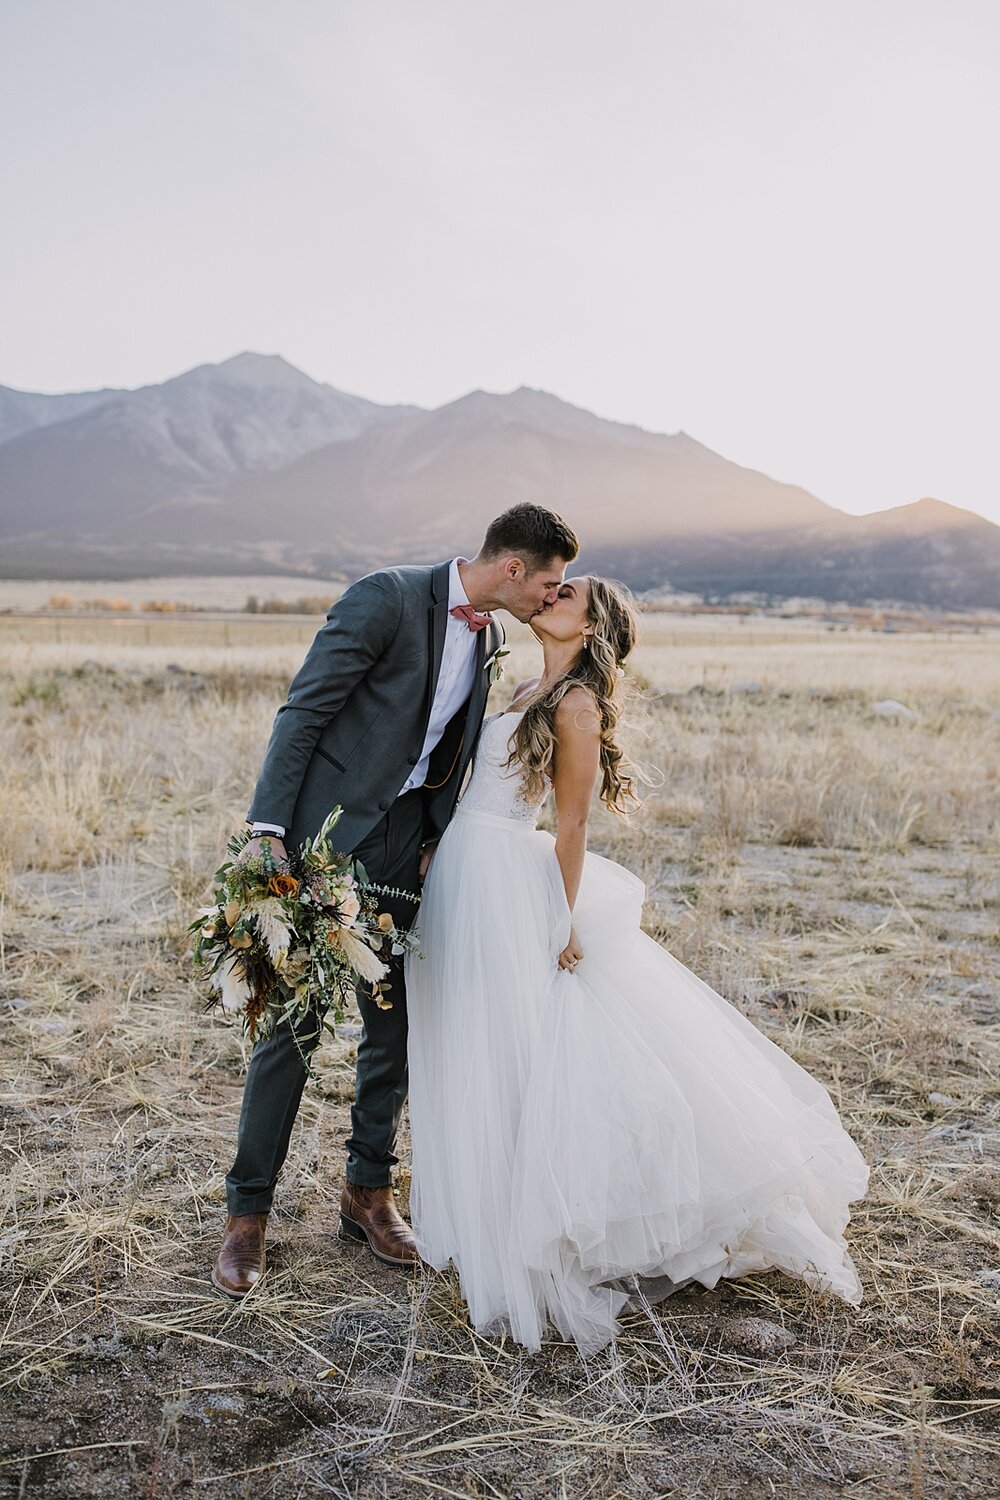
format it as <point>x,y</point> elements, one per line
<point>456,588</point>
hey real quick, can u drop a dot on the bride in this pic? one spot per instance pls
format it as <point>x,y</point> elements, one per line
<point>585,1111</point>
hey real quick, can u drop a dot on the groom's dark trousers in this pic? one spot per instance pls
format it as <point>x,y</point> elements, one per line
<point>350,735</point>
<point>276,1074</point>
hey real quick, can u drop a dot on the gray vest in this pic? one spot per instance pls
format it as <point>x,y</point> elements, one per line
<point>353,725</point>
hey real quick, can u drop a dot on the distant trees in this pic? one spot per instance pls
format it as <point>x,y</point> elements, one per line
<point>306,604</point>
<point>67,601</point>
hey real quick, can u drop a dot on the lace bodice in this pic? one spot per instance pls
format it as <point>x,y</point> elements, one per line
<point>492,787</point>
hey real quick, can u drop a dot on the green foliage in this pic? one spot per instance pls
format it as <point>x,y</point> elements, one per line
<point>37,690</point>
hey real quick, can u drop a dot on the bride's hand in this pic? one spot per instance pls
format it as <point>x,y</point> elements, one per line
<point>571,954</point>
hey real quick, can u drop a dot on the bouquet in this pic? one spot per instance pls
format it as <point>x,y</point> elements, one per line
<point>294,938</point>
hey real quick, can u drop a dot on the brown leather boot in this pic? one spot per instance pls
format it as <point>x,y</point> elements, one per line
<point>240,1261</point>
<point>370,1213</point>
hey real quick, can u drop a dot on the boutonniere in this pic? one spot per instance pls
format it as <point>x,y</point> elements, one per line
<point>495,665</point>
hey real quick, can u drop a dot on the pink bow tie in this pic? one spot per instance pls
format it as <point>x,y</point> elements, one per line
<point>472,619</point>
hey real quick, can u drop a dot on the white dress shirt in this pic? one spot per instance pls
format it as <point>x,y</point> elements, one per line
<point>454,684</point>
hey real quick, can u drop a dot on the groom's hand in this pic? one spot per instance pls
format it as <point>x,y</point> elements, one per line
<point>256,846</point>
<point>426,855</point>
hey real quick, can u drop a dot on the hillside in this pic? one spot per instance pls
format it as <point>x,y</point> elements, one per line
<point>250,465</point>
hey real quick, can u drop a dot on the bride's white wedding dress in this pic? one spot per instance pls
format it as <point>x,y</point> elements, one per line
<point>572,1132</point>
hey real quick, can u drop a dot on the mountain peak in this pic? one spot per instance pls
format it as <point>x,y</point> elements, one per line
<point>251,371</point>
<point>532,407</point>
<point>941,510</point>
<point>921,516</point>
<point>261,370</point>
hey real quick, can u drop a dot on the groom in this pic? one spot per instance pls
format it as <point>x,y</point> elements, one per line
<point>382,717</point>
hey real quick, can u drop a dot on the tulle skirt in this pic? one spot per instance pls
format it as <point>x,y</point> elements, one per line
<point>577,1134</point>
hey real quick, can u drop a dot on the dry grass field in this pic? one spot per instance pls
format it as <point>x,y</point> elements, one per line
<point>833,873</point>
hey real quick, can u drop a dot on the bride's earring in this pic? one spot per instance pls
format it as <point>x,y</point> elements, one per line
<point>586,641</point>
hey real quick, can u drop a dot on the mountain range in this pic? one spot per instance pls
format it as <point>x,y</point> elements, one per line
<point>251,465</point>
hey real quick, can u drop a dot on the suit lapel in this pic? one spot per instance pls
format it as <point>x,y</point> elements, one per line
<point>481,683</point>
<point>437,626</point>
<point>491,642</point>
<point>497,637</point>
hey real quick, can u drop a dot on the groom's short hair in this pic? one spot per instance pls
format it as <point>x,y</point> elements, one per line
<point>530,532</point>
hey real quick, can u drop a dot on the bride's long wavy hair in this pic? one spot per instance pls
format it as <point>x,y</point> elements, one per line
<point>598,667</point>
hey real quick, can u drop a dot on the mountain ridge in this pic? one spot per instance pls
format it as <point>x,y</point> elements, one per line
<point>252,461</point>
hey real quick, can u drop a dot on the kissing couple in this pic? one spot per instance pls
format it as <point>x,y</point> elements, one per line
<point>587,1115</point>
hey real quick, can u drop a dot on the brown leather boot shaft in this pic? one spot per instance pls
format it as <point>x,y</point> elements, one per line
<point>371,1214</point>
<point>240,1262</point>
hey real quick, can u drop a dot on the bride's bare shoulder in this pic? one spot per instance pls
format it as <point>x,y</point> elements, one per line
<point>577,713</point>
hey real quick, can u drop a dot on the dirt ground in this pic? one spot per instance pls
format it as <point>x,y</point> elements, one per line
<point>832,872</point>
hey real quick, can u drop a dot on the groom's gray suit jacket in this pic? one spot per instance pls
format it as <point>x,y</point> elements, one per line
<point>353,725</point>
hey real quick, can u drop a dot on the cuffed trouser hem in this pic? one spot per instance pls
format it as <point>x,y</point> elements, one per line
<point>240,1206</point>
<point>248,1203</point>
<point>367,1180</point>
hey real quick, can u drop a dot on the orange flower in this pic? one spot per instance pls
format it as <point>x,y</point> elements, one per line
<point>385,922</point>
<point>283,885</point>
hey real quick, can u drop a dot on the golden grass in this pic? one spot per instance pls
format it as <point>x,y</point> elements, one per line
<point>833,874</point>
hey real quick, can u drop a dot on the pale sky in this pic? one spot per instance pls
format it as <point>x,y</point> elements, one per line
<point>772,224</point>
